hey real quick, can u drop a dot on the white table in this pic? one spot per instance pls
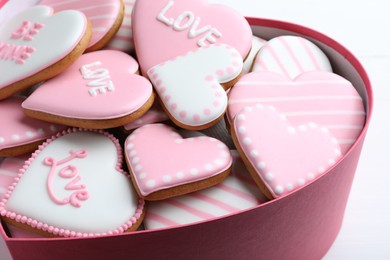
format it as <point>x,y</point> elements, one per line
<point>364,28</point>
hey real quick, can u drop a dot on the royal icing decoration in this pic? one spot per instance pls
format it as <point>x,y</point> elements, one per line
<point>154,115</point>
<point>102,14</point>
<point>17,129</point>
<point>159,158</point>
<point>69,183</point>
<point>95,82</point>
<point>123,39</point>
<point>236,193</point>
<point>257,44</point>
<point>166,29</point>
<point>321,97</point>
<point>291,56</point>
<point>282,155</point>
<point>189,86</point>
<point>35,39</point>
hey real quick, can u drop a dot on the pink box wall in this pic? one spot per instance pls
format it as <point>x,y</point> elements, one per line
<point>302,225</point>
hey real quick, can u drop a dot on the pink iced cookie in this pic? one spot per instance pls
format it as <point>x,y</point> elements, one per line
<point>67,185</point>
<point>100,90</point>
<point>162,164</point>
<point>9,169</point>
<point>282,157</point>
<point>123,39</point>
<point>20,134</point>
<point>321,97</point>
<point>36,45</point>
<point>290,56</point>
<point>192,87</point>
<point>236,193</point>
<point>154,115</point>
<point>105,16</point>
<point>165,29</point>
<point>257,44</point>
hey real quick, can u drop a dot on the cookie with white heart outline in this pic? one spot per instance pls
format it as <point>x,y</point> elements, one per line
<point>37,44</point>
<point>192,87</point>
<point>74,186</point>
<point>282,157</point>
<point>163,164</point>
<point>100,90</point>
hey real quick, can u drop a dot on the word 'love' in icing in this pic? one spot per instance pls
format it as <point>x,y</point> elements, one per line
<point>68,172</point>
<point>19,53</point>
<point>100,79</point>
<point>186,20</point>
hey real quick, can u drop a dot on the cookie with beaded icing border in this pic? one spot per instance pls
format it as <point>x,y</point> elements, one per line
<point>20,134</point>
<point>192,88</point>
<point>282,157</point>
<point>163,164</point>
<point>106,17</point>
<point>37,44</point>
<point>84,180</point>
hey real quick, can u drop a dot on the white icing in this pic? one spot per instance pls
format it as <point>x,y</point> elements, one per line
<point>112,200</point>
<point>100,78</point>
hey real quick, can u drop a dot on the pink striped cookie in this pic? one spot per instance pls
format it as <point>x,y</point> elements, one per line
<point>192,87</point>
<point>163,164</point>
<point>20,134</point>
<point>290,56</point>
<point>9,169</point>
<point>123,39</point>
<point>321,97</point>
<point>257,44</point>
<point>236,193</point>
<point>280,156</point>
<point>73,186</point>
<point>105,16</point>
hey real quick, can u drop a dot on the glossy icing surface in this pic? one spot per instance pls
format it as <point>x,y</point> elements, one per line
<point>189,86</point>
<point>236,193</point>
<point>283,155</point>
<point>101,13</point>
<point>57,35</point>
<point>257,44</point>
<point>321,97</point>
<point>93,83</point>
<point>164,29</point>
<point>160,158</point>
<point>290,56</point>
<point>18,129</point>
<point>64,167</point>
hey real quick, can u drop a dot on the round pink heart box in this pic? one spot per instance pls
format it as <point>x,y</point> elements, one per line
<point>301,225</point>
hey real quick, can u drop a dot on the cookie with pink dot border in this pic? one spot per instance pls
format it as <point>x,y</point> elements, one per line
<point>282,157</point>
<point>100,90</point>
<point>20,134</point>
<point>192,87</point>
<point>74,186</point>
<point>163,164</point>
<point>37,44</point>
<point>106,17</point>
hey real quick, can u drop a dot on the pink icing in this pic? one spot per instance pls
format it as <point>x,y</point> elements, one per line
<point>320,97</point>
<point>93,83</point>
<point>166,29</point>
<point>18,129</point>
<point>17,53</point>
<point>101,13</point>
<point>36,223</point>
<point>283,155</point>
<point>153,115</point>
<point>160,158</point>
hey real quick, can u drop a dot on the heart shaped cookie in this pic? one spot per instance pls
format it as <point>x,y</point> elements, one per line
<point>165,29</point>
<point>73,186</point>
<point>321,97</point>
<point>291,56</point>
<point>20,134</point>
<point>280,156</point>
<point>105,16</point>
<point>192,87</point>
<point>162,164</point>
<point>36,45</point>
<point>236,193</point>
<point>93,84</point>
